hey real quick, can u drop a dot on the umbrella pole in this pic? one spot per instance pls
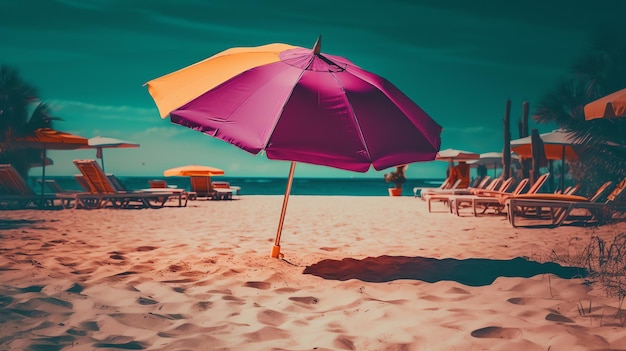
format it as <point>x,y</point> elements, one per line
<point>100,153</point>
<point>276,249</point>
<point>562,180</point>
<point>43,176</point>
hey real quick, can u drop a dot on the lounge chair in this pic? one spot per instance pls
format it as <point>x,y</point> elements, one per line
<point>497,200</point>
<point>534,189</point>
<point>235,190</point>
<point>445,195</point>
<point>53,186</point>
<point>560,206</point>
<point>454,188</point>
<point>486,197</point>
<point>494,199</point>
<point>104,190</point>
<point>16,194</point>
<point>158,183</point>
<point>447,184</point>
<point>204,188</point>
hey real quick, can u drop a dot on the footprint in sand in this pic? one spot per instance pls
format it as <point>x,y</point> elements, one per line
<point>76,332</point>
<point>258,285</point>
<point>90,325</point>
<point>146,301</point>
<point>146,248</point>
<point>309,300</point>
<point>75,288</point>
<point>344,343</point>
<point>496,333</point>
<point>517,300</point>
<point>202,305</point>
<point>132,345</point>
<point>271,317</point>
<point>557,317</point>
<point>455,290</point>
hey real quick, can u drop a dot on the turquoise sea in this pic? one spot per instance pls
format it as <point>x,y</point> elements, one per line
<point>274,186</point>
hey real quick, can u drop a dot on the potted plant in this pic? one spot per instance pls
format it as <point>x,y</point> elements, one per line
<point>398,177</point>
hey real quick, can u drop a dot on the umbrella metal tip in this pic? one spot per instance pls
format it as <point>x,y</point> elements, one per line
<point>317,48</point>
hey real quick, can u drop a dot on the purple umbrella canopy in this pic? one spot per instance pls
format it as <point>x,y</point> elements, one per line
<point>302,106</point>
<point>299,105</point>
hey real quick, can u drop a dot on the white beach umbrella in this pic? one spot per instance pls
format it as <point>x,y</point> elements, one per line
<point>490,160</point>
<point>100,143</point>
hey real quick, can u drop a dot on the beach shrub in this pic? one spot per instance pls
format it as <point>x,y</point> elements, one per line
<point>397,177</point>
<point>605,260</point>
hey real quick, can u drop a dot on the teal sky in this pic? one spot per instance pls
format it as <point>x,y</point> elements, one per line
<point>459,60</point>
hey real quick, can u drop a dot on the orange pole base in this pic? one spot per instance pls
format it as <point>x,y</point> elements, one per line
<point>275,251</point>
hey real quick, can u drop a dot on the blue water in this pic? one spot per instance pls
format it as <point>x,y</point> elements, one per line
<point>274,186</point>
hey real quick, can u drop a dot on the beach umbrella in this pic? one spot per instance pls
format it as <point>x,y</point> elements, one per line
<point>609,106</point>
<point>193,171</point>
<point>452,155</point>
<point>558,145</point>
<point>51,139</point>
<point>299,105</point>
<point>490,160</point>
<point>101,142</point>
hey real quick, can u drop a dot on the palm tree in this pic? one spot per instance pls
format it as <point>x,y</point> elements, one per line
<point>600,72</point>
<point>16,98</point>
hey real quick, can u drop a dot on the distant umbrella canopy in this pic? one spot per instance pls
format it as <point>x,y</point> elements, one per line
<point>193,171</point>
<point>610,106</point>
<point>558,145</point>
<point>490,160</point>
<point>52,139</point>
<point>101,142</point>
<point>456,155</point>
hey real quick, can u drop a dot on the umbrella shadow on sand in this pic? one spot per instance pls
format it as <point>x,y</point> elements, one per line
<point>471,272</point>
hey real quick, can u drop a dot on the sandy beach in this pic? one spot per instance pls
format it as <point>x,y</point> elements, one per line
<point>358,273</point>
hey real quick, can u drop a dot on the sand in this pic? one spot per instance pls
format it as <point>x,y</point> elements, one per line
<point>358,273</point>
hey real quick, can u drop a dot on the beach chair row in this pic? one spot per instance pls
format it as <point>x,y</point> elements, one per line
<point>101,190</point>
<point>530,207</point>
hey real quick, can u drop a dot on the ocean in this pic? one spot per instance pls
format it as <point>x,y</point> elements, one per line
<point>272,186</point>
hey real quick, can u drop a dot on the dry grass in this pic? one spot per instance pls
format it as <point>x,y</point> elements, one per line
<point>605,261</point>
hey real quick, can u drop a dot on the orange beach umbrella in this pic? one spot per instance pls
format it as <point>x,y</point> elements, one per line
<point>558,145</point>
<point>193,171</point>
<point>51,139</point>
<point>610,106</point>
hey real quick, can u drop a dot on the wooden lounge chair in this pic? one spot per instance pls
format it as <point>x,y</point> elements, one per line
<point>53,186</point>
<point>478,195</point>
<point>102,191</point>
<point>447,184</point>
<point>16,194</point>
<point>234,190</point>
<point>560,206</point>
<point>496,201</point>
<point>445,196</point>
<point>158,183</point>
<point>204,188</point>
<point>452,189</point>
